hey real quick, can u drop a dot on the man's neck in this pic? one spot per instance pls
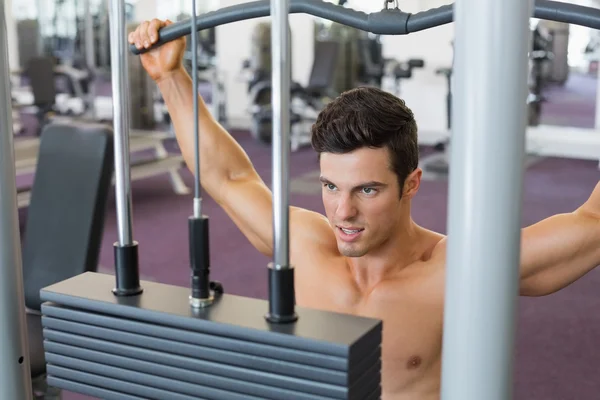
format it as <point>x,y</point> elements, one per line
<point>395,254</point>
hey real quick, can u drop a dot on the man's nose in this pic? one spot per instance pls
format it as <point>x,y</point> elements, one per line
<point>345,208</point>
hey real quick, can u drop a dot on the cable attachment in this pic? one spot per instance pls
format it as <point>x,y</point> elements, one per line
<point>201,295</point>
<point>386,4</point>
<point>216,290</point>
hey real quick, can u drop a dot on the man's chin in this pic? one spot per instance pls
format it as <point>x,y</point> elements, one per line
<point>351,251</point>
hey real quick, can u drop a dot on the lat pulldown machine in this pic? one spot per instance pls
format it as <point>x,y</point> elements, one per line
<point>150,340</point>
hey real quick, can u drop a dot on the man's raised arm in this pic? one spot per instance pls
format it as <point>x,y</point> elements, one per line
<point>226,171</point>
<point>559,250</point>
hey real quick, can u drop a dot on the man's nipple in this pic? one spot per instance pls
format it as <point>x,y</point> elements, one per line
<point>413,362</point>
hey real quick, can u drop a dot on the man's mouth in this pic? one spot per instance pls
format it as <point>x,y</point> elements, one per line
<point>351,231</point>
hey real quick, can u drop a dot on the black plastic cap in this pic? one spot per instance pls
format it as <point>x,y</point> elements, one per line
<point>199,243</point>
<point>199,256</point>
<point>127,270</point>
<point>282,299</point>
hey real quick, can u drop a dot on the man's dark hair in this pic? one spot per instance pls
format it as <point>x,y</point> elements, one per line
<point>369,117</point>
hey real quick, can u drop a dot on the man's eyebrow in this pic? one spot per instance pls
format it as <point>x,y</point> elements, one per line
<point>372,184</point>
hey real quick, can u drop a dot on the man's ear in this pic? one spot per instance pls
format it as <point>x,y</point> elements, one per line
<point>412,183</point>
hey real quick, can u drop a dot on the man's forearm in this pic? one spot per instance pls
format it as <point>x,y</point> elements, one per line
<point>221,157</point>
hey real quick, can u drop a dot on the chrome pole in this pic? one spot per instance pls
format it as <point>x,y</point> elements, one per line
<point>15,374</point>
<point>121,119</point>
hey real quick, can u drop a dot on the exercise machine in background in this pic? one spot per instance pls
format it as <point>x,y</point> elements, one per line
<point>400,71</point>
<point>306,101</point>
<point>437,164</point>
<point>359,59</point>
<point>540,56</point>
<point>344,58</point>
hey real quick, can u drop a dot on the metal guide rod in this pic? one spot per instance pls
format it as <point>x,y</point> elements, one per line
<point>485,189</point>
<point>194,37</point>
<point>121,119</point>
<point>280,50</point>
<point>15,374</point>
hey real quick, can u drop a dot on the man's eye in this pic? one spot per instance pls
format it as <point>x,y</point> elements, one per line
<point>369,191</point>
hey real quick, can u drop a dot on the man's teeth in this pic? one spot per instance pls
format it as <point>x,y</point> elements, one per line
<point>350,232</point>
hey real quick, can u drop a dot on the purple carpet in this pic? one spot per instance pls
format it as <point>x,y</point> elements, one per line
<point>556,356</point>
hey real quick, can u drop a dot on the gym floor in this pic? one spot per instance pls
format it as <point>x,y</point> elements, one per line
<point>556,350</point>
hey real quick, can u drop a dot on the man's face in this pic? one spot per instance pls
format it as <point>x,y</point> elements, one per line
<point>361,198</point>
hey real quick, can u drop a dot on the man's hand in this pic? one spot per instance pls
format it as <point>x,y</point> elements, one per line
<point>161,62</point>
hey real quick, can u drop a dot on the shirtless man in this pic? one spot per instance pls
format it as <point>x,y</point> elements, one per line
<point>366,256</point>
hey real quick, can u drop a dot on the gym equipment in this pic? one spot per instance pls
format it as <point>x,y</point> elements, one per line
<point>27,152</point>
<point>371,65</point>
<point>403,70</point>
<point>15,366</point>
<point>360,60</point>
<point>558,71</point>
<point>65,220</point>
<point>348,57</point>
<point>198,225</point>
<point>539,56</point>
<point>473,348</point>
<point>437,164</point>
<point>78,68</point>
<point>258,65</point>
<point>29,40</point>
<point>306,102</point>
<point>40,72</point>
<point>447,73</point>
<point>272,349</point>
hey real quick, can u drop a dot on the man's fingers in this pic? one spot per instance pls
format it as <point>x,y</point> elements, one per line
<point>153,28</point>
<point>146,33</point>
<point>144,40</point>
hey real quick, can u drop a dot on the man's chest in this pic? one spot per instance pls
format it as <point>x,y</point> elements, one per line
<point>412,318</point>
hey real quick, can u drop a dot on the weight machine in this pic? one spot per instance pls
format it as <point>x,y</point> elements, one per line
<point>483,227</point>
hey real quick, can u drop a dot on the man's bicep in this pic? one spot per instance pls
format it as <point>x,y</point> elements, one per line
<point>557,251</point>
<point>249,203</point>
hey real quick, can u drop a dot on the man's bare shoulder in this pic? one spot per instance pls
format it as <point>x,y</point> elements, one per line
<point>310,230</point>
<point>436,243</point>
